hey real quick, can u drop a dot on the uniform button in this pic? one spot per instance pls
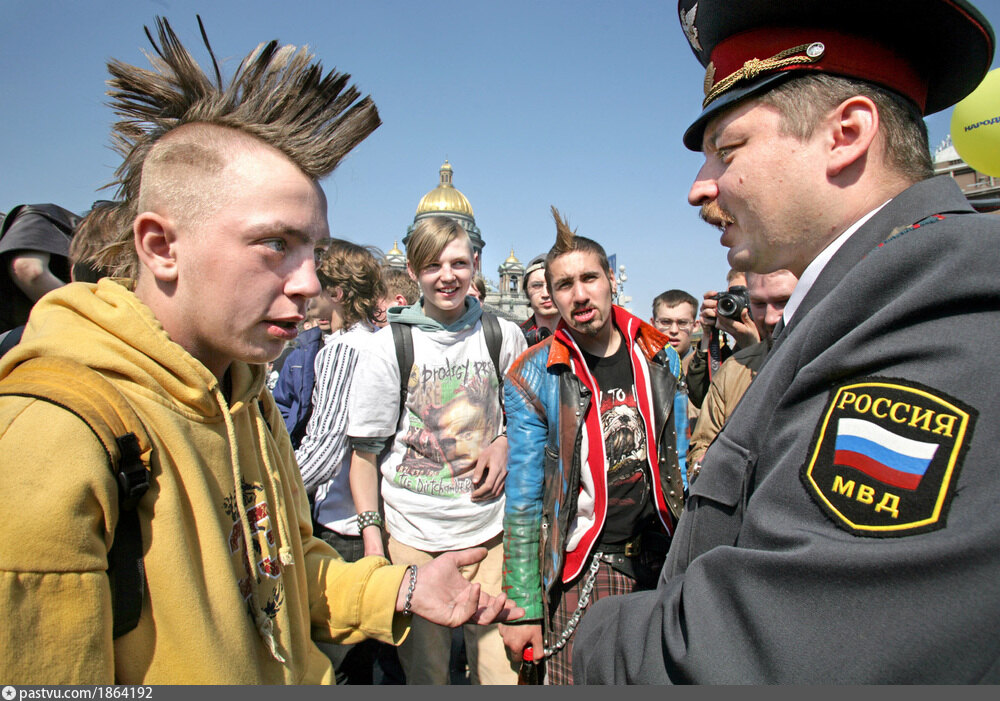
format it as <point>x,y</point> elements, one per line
<point>673,493</point>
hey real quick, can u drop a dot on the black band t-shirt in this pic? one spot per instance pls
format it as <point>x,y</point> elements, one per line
<point>629,501</point>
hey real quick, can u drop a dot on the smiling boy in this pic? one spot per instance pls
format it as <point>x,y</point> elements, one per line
<point>442,481</point>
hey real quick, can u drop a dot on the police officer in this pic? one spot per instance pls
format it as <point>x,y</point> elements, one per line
<point>844,528</point>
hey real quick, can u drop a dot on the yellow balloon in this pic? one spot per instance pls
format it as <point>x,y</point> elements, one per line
<point>975,126</point>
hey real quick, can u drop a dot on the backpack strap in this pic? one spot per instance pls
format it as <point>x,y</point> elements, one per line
<point>494,341</point>
<point>402,338</point>
<point>85,393</point>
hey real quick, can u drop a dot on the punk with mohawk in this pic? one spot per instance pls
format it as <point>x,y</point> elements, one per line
<point>219,218</point>
<point>602,394</point>
<point>277,94</point>
<point>567,241</point>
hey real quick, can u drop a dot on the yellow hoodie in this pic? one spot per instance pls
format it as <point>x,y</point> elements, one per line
<point>215,611</point>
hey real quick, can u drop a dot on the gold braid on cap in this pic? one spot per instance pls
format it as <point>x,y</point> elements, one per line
<point>755,67</point>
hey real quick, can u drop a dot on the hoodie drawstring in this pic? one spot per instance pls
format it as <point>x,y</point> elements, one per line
<point>263,622</point>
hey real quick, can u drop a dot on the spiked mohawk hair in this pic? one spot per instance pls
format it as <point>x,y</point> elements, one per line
<point>277,94</point>
<point>567,241</point>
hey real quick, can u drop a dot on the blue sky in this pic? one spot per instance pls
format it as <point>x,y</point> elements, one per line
<point>573,103</point>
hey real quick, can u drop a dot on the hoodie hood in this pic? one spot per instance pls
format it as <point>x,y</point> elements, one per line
<point>414,316</point>
<point>117,335</point>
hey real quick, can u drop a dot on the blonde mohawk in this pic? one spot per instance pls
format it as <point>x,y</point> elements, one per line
<point>277,94</point>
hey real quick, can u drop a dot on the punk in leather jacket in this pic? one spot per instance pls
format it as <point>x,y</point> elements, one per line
<point>550,437</point>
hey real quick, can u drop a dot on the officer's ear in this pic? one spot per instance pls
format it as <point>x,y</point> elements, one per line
<point>850,129</point>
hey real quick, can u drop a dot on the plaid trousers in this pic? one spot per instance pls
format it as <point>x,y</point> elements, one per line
<point>607,582</point>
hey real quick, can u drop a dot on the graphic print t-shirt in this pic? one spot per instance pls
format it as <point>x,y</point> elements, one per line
<point>629,502</point>
<point>452,413</point>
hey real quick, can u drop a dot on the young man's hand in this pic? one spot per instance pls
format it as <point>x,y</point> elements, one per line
<point>443,596</point>
<point>491,471</point>
<point>744,331</point>
<point>518,637</point>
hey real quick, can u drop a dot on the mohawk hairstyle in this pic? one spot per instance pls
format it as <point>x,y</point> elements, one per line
<point>564,237</point>
<point>567,242</point>
<point>277,94</point>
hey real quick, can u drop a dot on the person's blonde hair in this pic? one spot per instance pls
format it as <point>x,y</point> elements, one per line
<point>98,226</point>
<point>278,95</point>
<point>431,236</point>
<point>479,282</point>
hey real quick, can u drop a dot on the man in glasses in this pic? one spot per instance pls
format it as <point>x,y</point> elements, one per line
<point>675,313</point>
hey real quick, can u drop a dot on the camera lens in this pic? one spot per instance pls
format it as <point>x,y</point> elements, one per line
<point>727,306</point>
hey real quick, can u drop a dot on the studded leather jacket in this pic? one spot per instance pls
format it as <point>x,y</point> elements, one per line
<point>549,438</point>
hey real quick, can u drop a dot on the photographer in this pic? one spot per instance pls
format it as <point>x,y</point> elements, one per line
<point>766,297</point>
<point>713,330</point>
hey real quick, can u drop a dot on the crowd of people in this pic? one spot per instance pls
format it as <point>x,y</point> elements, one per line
<point>245,452</point>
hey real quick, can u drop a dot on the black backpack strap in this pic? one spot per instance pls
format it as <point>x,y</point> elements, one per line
<point>126,570</point>
<point>86,394</point>
<point>402,338</point>
<point>494,342</point>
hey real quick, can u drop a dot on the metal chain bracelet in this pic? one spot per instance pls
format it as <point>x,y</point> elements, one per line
<point>588,586</point>
<point>412,569</point>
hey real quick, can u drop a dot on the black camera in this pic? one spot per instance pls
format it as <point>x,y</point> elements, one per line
<point>733,302</point>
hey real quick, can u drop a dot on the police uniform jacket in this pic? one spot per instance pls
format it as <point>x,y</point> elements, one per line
<point>845,526</point>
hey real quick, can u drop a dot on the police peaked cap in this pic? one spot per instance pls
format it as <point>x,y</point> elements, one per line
<point>933,52</point>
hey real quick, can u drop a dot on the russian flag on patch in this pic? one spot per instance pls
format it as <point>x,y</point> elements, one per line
<point>895,460</point>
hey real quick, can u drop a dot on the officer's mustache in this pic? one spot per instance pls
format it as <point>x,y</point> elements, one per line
<point>712,213</point>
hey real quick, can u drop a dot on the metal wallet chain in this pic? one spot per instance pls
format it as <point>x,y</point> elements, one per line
<point>588,586</point>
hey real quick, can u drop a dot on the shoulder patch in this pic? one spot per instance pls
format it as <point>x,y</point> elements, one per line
<point>886,456</point>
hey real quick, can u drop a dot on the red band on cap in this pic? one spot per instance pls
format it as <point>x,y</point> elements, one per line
<point>846,55</point>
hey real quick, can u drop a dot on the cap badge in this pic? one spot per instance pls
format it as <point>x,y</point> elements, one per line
<point>709,77</point>
<point>816,49</point>
<point>691,31</point>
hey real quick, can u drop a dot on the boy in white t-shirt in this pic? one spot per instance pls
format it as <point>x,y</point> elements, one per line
<point>442,480</point>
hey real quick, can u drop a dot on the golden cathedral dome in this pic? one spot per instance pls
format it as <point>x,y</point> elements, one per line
<point>512,258</point>
<point>445,197</point>
<point>395,249</point>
